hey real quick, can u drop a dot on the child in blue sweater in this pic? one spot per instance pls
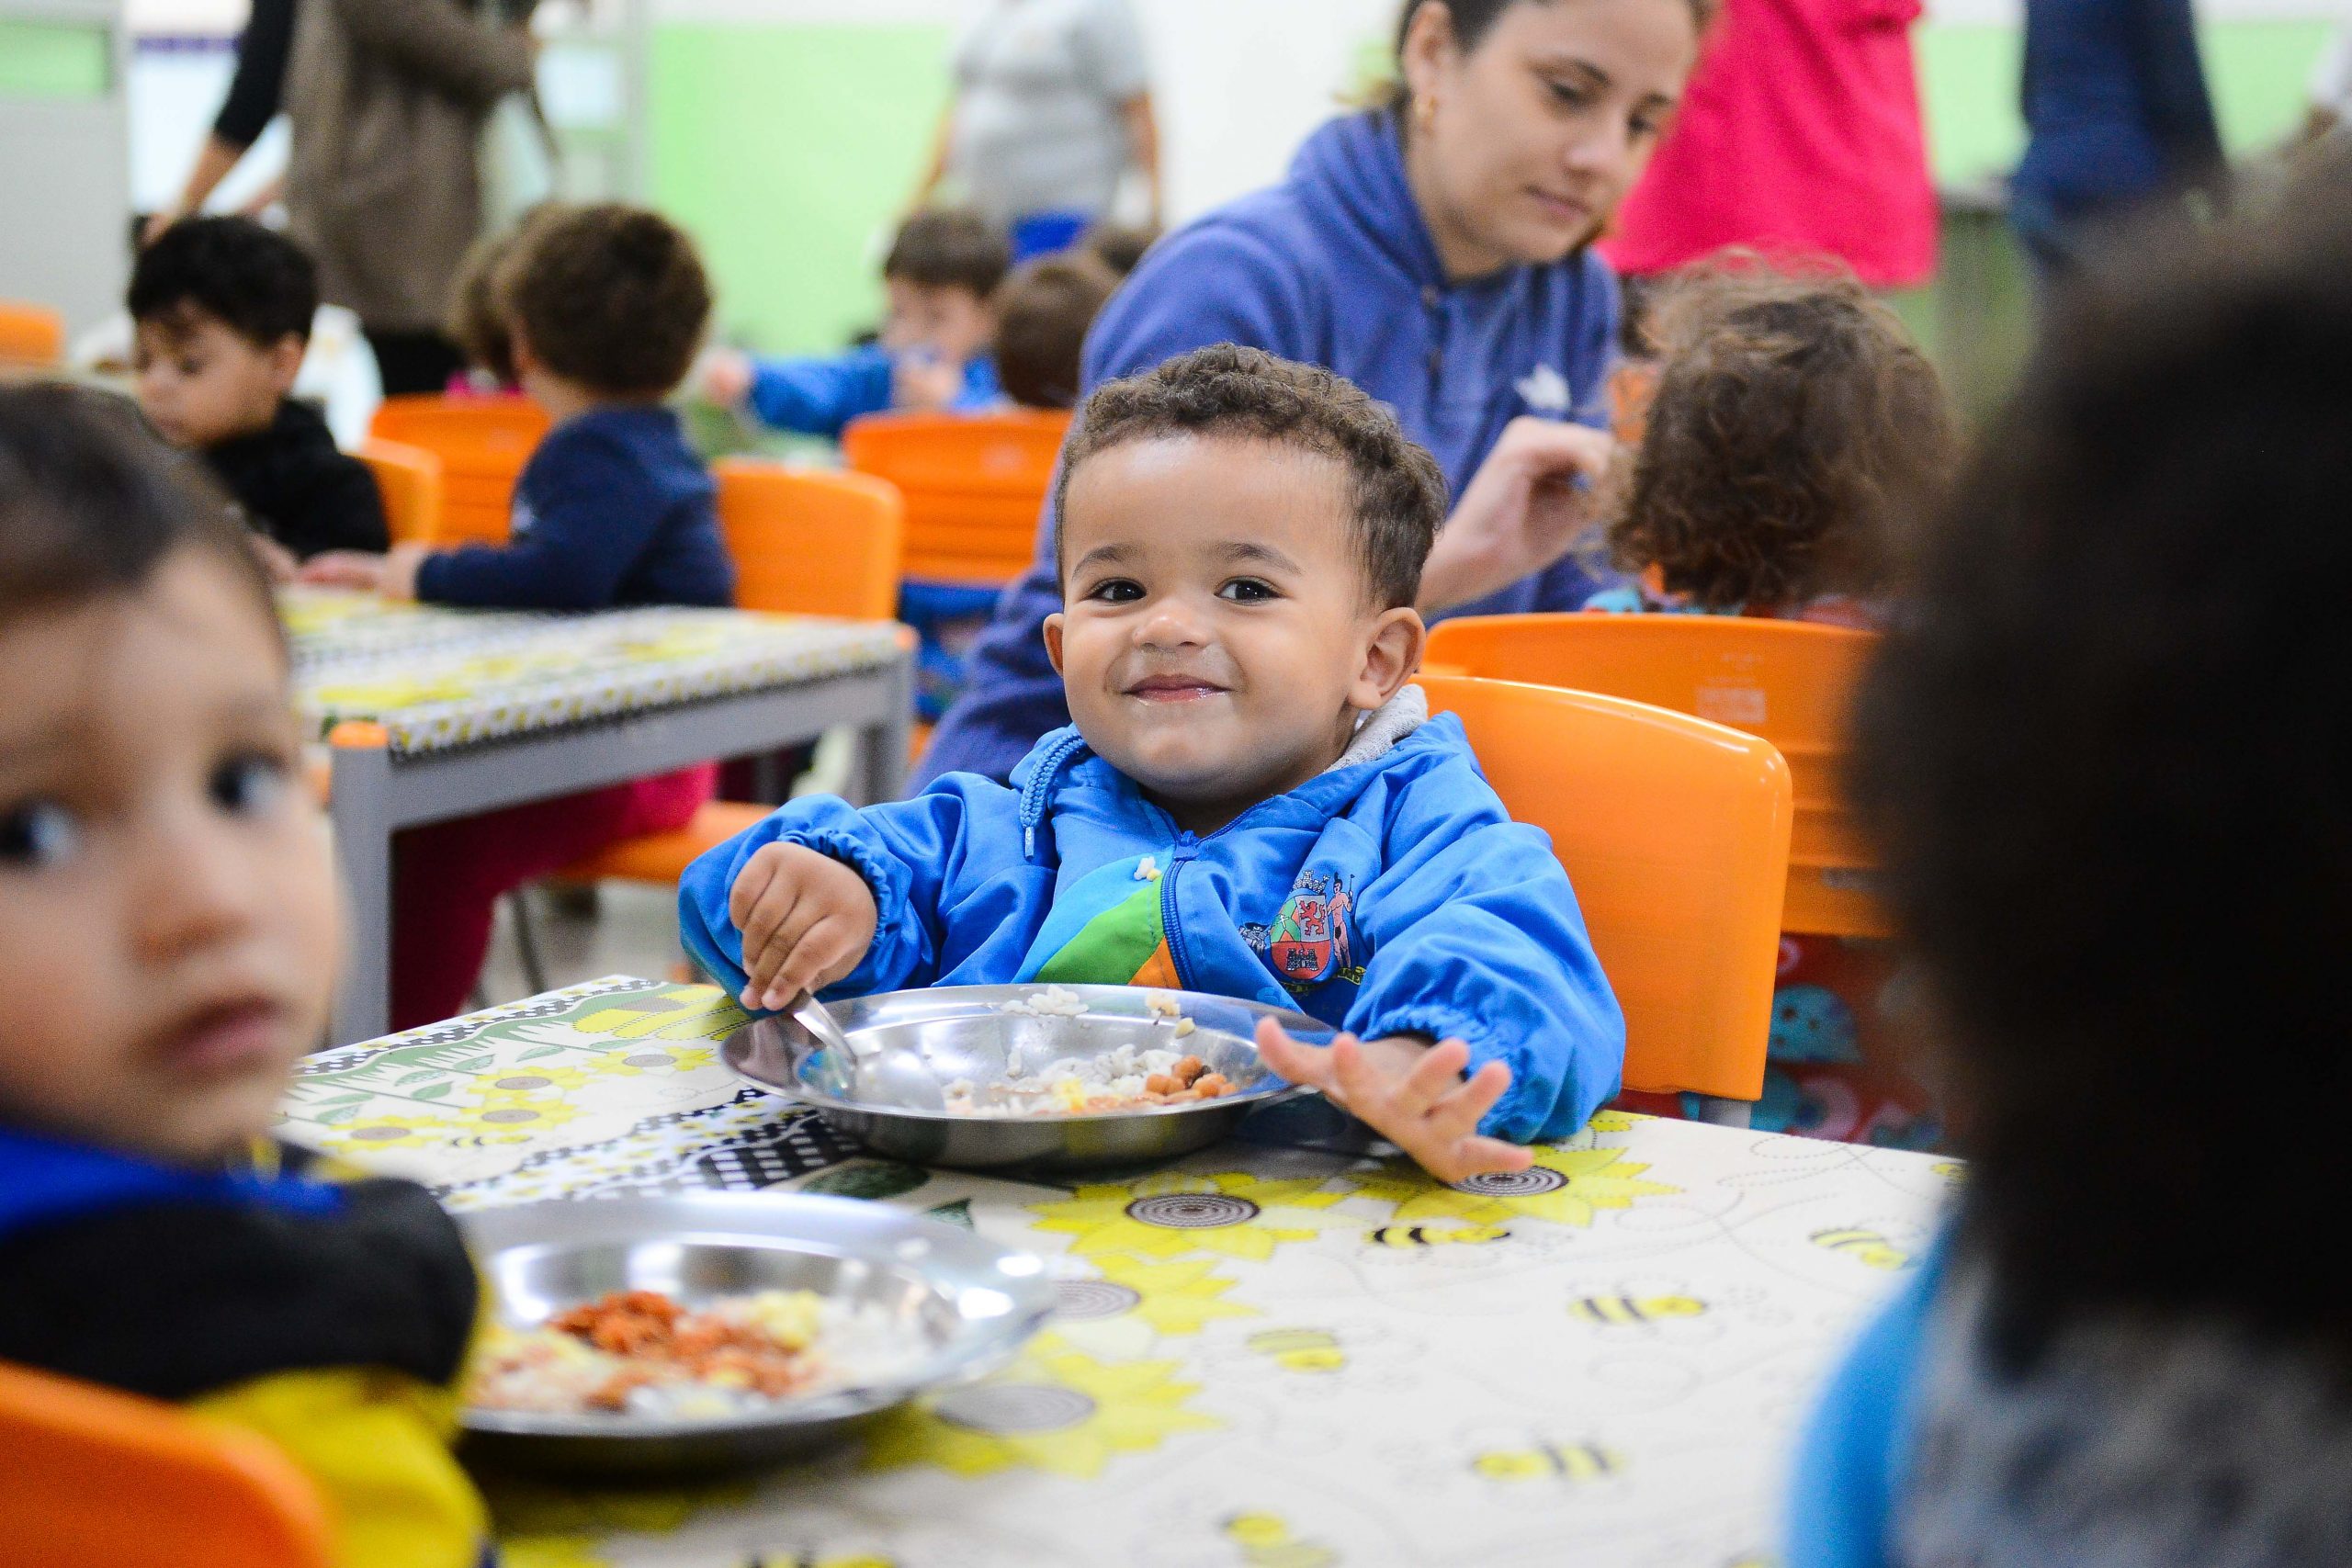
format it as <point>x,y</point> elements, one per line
<point>605,306</point>
<point>1253,800</point>
<point>940,279</point>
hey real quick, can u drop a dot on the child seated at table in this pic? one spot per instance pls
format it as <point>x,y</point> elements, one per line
<point>1794,424</point>
<point>221,311</point>
<point>167,941</point>
<point>940,274</point>
<point>2106,749</point>
<point>1042,316</point>
<point>1253,800</point>
<point>605,307</point>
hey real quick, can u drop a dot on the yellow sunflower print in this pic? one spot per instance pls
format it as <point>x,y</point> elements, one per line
<point>1061,1411</point>
<point>528,1083</point>
<point>517,1120</point>
<point>365,1135</point>
<point>1566,1185</point>
<point>1173,1298</point>
<point>1167,1215</point>
<point>643,1056</point>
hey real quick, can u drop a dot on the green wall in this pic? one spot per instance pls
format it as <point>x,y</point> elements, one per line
<point>788,149</point>
<point>54,59</point>
<point>788,152</point>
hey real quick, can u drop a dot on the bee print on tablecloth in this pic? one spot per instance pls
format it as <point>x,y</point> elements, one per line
<point>1546,1461</point>
<point>1861,1244</point>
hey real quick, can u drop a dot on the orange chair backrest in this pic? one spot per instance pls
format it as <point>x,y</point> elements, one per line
<point>808,543</point>
<point>94,1477</point>
<point>409,478</point>
<point>483,443</point>
<point>1786,681</point>
<point>975,486</point>
<point>1674,832</point>
<point>30,335</point>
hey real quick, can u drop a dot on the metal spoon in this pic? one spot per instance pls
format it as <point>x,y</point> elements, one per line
<point>884,1077</point>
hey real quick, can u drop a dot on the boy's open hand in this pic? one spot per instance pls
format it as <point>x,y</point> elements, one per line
<point>1414,1095</point>
<point>806,919</point>
<point>345,569</point>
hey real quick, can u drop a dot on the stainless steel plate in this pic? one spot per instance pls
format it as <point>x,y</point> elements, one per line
<point>967,1304</point>
<point>963,1031</point>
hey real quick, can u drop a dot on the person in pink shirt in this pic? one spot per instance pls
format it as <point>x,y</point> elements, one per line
<point>1799,136</point>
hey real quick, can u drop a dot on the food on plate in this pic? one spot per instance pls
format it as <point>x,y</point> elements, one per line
<point>641,1353</point>
<point>1124,1078</point>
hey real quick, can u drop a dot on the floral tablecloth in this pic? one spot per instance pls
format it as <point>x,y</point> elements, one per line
<point>1266,1358</point>
<point>436,678</point>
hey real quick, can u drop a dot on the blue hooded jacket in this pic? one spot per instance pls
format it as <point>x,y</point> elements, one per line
<point>819,395</point>
<point>1332,268</point>
<point>1391,896</point>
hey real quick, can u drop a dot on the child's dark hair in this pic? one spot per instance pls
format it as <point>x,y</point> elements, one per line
<point>2107,755</point>
<point>1120,246</point>
<point>612,297</point>
<point>1042,315</point>
<point>1473,20</point>
<point>478,314</point>
<point>1396,489</point>
<point>254,281</point>
<point>90,504</point>
<point>949,247</point>
<point>1795,425</point>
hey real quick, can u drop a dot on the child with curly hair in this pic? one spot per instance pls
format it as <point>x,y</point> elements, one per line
<point>1795,423</point>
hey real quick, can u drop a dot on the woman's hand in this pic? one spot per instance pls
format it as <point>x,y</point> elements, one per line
<point>1413,1095</point>
<point>807,919</point>
<point>1522,510</point>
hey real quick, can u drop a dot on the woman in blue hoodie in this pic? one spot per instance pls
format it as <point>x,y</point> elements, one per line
<point>1435,252</point>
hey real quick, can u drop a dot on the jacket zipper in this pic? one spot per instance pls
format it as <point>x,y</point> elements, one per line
<point>1172,924</point>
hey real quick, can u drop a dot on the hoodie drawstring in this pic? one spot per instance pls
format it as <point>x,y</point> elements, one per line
<point>1034,795</point>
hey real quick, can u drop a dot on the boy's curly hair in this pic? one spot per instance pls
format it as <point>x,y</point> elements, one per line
<point>2107,755</point>
<point>1396,491</point>
<point>1795,424</point>
<point>254,280</point>
<point>612,297</point>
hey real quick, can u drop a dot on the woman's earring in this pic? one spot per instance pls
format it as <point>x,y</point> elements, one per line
<point>1424,111</point>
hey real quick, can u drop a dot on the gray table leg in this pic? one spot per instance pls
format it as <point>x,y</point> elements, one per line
<point>361,810</point>
<point>1723,1112</point>
<point>881,771</point>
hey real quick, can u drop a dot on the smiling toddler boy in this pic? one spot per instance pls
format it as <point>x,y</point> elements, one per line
<point>1253,800</point>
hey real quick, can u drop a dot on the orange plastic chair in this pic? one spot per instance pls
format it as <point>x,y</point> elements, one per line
<point>409,478</point>
<point>1785,681</point>
<point>805,543</point>
<point>483,443</point>
<point>811,543</point>
<point>1676,834</point>
<point>96,1478</point>
<point>32,337</point>
<point>975,485</point>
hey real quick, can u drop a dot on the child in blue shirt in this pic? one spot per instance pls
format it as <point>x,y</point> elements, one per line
<point>940,277</point>
<point>168,942</point>
<point>1253,800</point>
<point>604,306</point>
